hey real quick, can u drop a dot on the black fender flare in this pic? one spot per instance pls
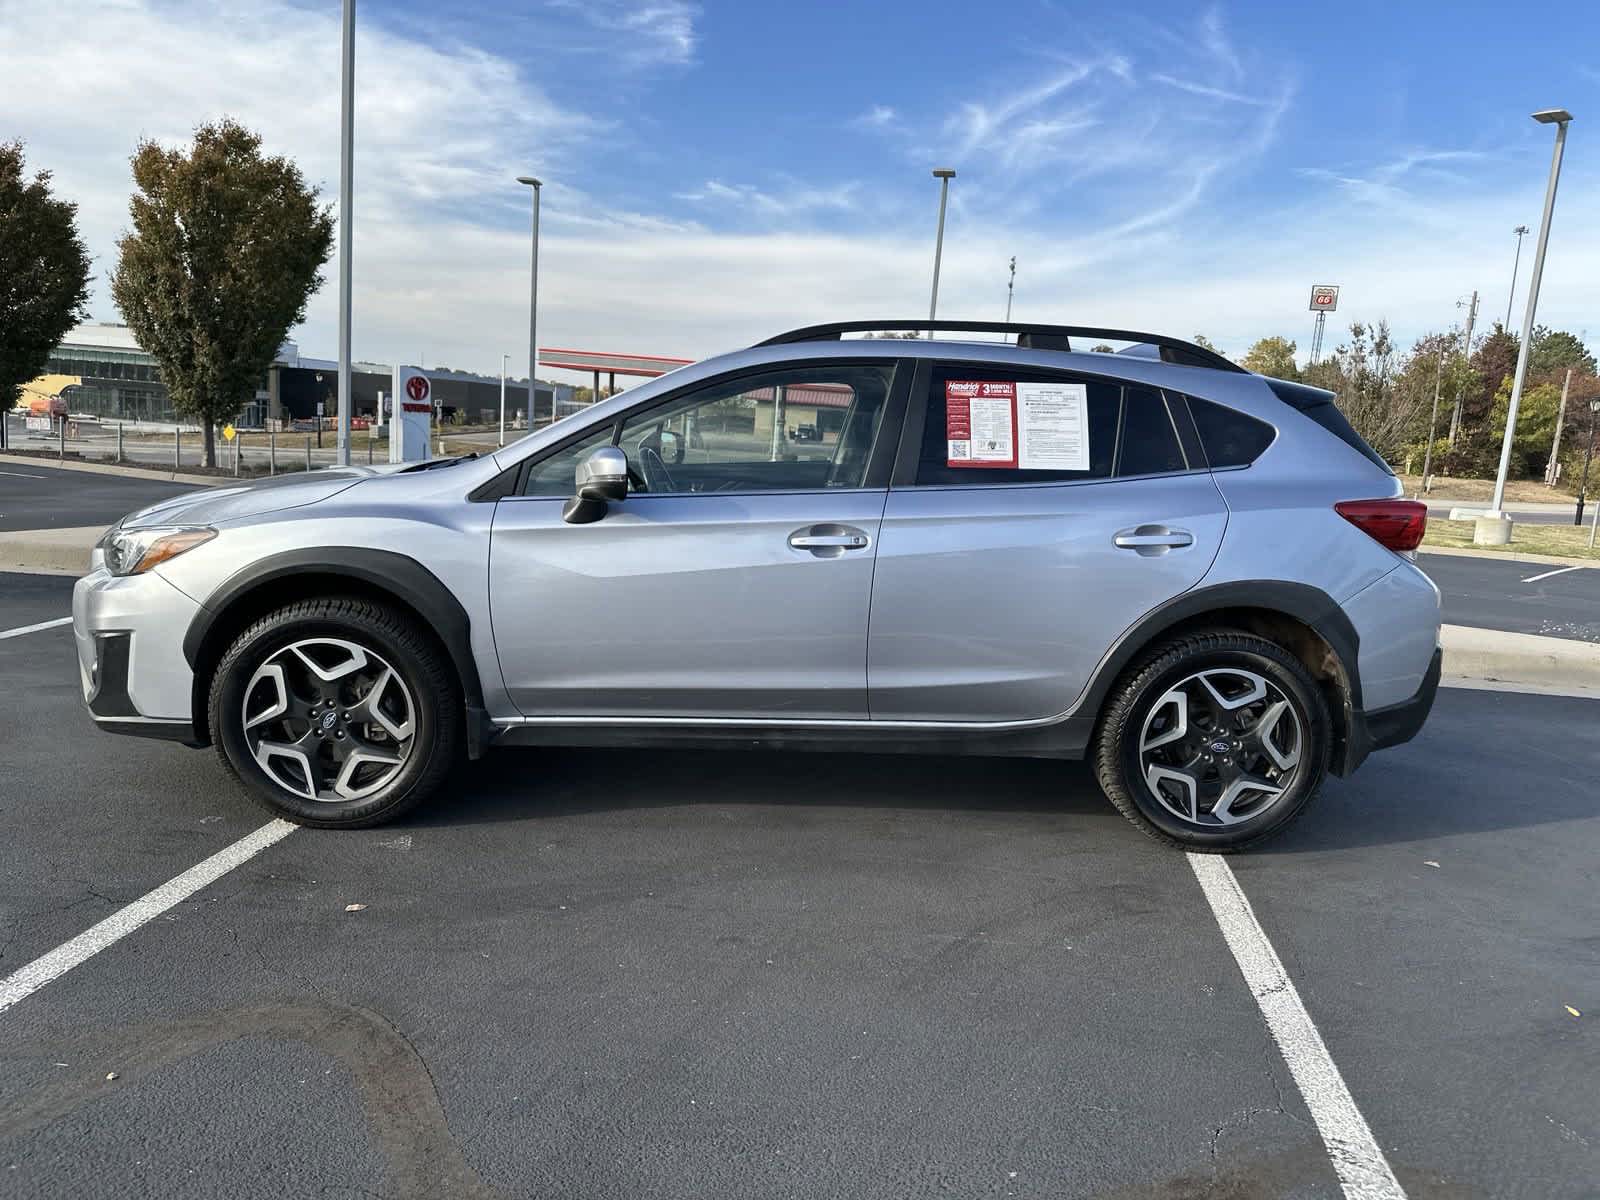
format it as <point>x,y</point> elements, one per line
<point>386,571</point>
<point>1309,605</point>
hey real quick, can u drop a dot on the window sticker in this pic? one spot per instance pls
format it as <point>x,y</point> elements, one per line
<point>1053,424</point>
<point>980,423</point>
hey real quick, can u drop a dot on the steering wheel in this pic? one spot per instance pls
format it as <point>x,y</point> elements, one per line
<point>656,476</point>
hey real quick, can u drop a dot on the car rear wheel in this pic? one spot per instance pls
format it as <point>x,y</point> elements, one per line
<point>336,713</point>
<point>1217,741</point>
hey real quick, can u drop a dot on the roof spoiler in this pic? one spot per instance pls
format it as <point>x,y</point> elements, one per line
<point>1054,337</point>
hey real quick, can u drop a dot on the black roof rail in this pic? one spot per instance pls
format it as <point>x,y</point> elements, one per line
<point>1173,350</point>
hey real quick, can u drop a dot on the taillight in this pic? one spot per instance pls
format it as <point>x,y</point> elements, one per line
<point>1397,524</point>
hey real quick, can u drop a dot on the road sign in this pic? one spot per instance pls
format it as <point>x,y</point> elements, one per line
<point>229,432</point>
<point>1325,297</point>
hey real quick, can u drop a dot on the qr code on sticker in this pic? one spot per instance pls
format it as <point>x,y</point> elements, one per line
<point>959,450</point>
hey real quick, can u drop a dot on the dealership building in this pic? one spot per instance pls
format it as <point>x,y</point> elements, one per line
<point>99,370</point>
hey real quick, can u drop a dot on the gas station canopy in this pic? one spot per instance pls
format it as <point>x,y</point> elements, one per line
<point>606,363</point>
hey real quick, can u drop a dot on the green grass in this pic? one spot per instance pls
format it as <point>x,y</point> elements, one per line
<point>1562,541</point>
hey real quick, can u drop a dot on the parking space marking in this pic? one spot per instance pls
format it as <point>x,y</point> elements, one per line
<point>11,633</point>
<point>47,967</point>
<point>1363,1171</point>
<point>1547,574</point>
<point>22,475</point>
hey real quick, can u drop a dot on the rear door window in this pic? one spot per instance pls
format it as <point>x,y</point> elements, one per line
<point>988,423</point>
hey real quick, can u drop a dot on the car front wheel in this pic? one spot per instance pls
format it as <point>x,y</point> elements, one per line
<point>1217,741</point>
<point>336,712</point>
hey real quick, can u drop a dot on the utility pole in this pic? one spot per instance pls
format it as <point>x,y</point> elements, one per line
<point>1555,446</point>
<point>1433,423</point>
<point>1466,354</point>
<point>1010,287</point>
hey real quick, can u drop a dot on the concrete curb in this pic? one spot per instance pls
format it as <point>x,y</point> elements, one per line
<point>1496,656</point>
<point>49,551</point>
<point>153,473</point>
<point>1558,560</point>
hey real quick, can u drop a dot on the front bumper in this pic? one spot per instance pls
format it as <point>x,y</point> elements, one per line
<point>129,635</point>
<point>1394,725</point>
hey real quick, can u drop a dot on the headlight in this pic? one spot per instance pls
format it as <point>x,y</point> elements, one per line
<point>135,551</point>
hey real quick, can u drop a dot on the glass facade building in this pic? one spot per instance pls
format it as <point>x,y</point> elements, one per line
<point>119,381</point>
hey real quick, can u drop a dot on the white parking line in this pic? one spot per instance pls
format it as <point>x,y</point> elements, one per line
<point>22,474</point>
<point>1547,574</point>
<point>1363,1171</point>
<point>120,924</point>
<point>11,633</point>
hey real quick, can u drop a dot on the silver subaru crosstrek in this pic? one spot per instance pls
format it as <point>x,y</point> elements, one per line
<point>1199,578</point>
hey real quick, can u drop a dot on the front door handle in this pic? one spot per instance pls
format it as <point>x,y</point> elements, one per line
<point>828,541</point>
<point>1150,540</point>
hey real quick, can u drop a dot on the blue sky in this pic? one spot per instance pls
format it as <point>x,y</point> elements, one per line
<point>719,171</point>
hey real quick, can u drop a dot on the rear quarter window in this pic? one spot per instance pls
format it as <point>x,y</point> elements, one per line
<point>1230,438</point>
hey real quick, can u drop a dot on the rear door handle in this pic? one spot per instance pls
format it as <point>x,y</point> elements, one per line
<point>1150,540</point>
<point>828,541</point>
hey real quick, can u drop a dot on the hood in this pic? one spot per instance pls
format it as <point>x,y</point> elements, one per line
<point>212,506</point>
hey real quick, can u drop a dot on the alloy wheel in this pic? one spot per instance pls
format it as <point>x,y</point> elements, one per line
<point>329,720</point>
<point>1221,746</point>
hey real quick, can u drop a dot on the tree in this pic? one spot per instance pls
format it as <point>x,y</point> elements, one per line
<point>225,250</point>
<point>1364,374</point>
<point>1201,339</point>
<point>44,275</point>
<point>1552,351</point>
<point>1273,356</point>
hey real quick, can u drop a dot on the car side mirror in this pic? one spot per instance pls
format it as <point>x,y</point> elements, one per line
<point>601,479</point>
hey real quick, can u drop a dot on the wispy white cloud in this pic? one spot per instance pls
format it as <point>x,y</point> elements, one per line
<point>638,32</point>
<point>1211,93</point>
<point>793,200</point>
<point>879,116</point>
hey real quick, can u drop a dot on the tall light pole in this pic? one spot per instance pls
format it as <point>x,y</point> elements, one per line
<point>1011,285</point>
<point>533,299</point>
<point>347,166</point>
<point>1559,117</point>
<point>944,175</point>
<point>1520,231</point>
<point>504,360</point>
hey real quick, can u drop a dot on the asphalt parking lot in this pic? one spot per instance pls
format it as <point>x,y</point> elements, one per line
<point>34,496</point>
<point>689,974</point>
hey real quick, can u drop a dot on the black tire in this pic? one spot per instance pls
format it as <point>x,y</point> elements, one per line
<point>434,690</point>
<point>1117,757</point>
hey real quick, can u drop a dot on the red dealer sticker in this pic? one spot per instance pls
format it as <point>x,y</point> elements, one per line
<point>980,423</point>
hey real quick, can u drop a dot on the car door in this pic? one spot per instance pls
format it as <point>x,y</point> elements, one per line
<point>1033,517</point>
<point>734,582</point>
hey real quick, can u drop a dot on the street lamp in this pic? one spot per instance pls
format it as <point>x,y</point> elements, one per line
<point>1501,532</point>
<point>533,297</point>
<point>504,359</point>
<point>944,175</point>
<point>347,166</point>
<point>1520,231</point>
